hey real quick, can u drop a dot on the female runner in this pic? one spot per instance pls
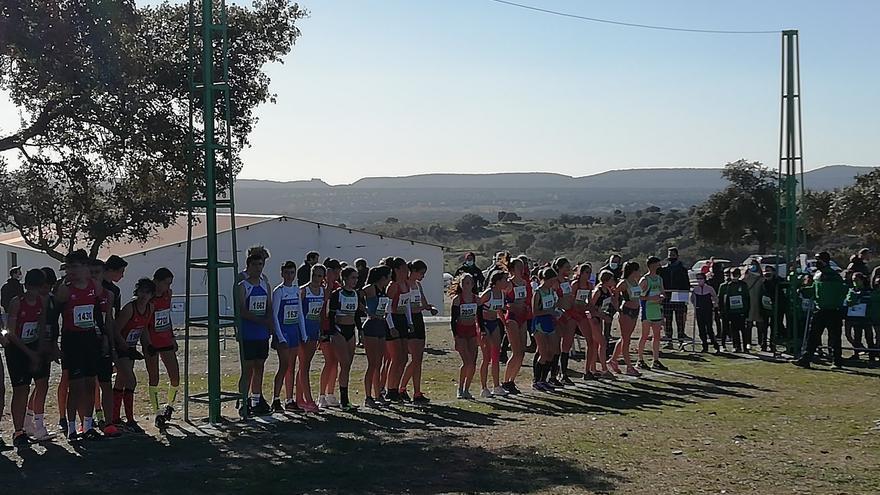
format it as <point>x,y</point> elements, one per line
<point>313,297</point>
<point>377,304</point>
<point>652,315</point>
<point>330,371</point>
<point>630,294</point>
<point>545,309</point>
<point>582,289</point>
<point>465,328</point>
<point>517,313</point>
<point>604,302</point>
<point>288,331</point>
<point>134,320</point>
<point>343,309</point>
<point>565,324</point>
<point>160,343</point>
<point>416,341</point>
<point>399,328</point>
<point>491,304</point>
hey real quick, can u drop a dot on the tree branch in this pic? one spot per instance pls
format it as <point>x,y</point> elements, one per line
<point>38,126</point>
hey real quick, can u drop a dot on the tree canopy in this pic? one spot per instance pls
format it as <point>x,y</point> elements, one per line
<point>102,92</point>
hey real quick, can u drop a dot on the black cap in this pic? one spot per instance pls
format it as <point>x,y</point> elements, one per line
<point>824,256</point>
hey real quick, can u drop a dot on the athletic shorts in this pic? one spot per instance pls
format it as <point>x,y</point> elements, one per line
<point>255,350</point>
<point>80,352</point>
<point>418,327</point>
<point>104,368</point>
<point>489,326</point>
<point>19,365</point>
<point>401,324</point>
<point>520,318</point>
<point>291,335</point>
<point>467,330</point>
<point>630,312</point>
<point>162,339</point>
<point>346,331</point>
<point>375,327</point>
<point>544,324</point>
<point>576,314</point>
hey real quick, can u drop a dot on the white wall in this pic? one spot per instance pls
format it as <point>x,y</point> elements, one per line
<point>286,239</point>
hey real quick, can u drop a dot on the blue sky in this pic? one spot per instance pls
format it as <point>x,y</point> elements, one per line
<point>401,87</point>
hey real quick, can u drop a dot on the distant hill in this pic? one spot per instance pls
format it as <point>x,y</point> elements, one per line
<point>443,197</point>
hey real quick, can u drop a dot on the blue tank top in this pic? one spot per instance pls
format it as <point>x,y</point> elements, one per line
<point>256,301</point>
<point>377,306</point>
<point>312,305</point>
<point>289,309</point>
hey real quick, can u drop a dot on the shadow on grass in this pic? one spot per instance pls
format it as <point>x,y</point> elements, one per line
<point>347,455</point>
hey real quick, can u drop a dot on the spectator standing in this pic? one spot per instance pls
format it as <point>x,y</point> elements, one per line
<point>470,267</point>
<point>755,282</point>
<point>362,269</point>
<point>304,274</point>
<point>11,289</point>
<point>830,296</point>
<point>675,279</point>
<point>614,266</point>
<point>859,262</point>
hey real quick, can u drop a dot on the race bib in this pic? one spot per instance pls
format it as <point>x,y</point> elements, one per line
<point>29,332</point>
<point>565,287</point>
<point>382,307</point>
<point>348,304</point>
<point>291,314</point>
<point>857,311</point>
<point>403,300</point>
<point>495,304</point>
<point>582,296</point>
<point>547,301</point>
<point>468,311</point>
<point>766,302</point>
<point>84,316</point>
<point>680,296</point>
<point>736,302</point>
<point>606,303</point>
<point>133,336</point>
<point>163,320</point>
<point>315,310</point>
<point>636,291</point>
<point>519,292</point>
<point>415,300</point>
<point>257,305</point>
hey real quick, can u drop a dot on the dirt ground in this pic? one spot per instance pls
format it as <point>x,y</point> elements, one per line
<point>712,424</point>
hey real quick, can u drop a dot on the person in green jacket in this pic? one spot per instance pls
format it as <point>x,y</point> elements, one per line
<point>736,304</point>
<point>830,297</point>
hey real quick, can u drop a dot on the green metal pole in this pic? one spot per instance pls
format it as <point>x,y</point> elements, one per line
<point>211,213</point>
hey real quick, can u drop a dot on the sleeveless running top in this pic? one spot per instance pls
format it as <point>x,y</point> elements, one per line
<point>604,300</point>
<point>415,298</point>
<point>137,325</point>
<point>377,306</point>
<point>256,298</point>
<point>652,308</point>
<point>467,314</point>
<point>28,320</point>
<point>344,302</point>
<point>312,305</point>
<point>79,312</point>
<point>493,305</point>
<point>632,293</point>
<point>161,334</point>
<point>287,308</point>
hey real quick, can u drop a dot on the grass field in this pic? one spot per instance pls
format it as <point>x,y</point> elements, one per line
<point>710,425</point>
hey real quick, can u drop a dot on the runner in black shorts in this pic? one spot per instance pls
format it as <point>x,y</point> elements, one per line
<point>344,307</point>
<point>399,327</point>
<point>27,334</point>
<point>416,342</point>
<point>104,371</point>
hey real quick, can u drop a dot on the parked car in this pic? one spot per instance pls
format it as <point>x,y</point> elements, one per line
<point>768,259</point>
<point>811,266</point>
<point>698,268</point>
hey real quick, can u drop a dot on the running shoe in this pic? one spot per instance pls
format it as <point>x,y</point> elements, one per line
<point>72,436</point>
<point>111,431</point>
<point>403,397</point>
<point>276,406</point>
<point>132,426</point>
<point>643,365</point>
<point>292,406</point>
<point>262,408</point>
<point>322,402</point>
<point>310,407</point>
<point>41,433</point>
<point>614,366</point>
<point>391,396</point>
<point>632,372</point>
<point>567,381</point>
<point>500,391</point>
<point>421,400</point>
<point>62,424</point>
<point>332,401</point>
<point>553,382</point>
<point>486,393</point>
<point>802,363</point>
<point>657,365</point>
<point>167,412</point>
<point>160,419</point>
<point>348,407</point>
<point>91,434</point>
<point>21,440</point>
<point>589,377</point>
<point>370,403</point>
<point>607,374</point>
<point>514,390</point>
<point>466,394</point>
<point>459,394</point>
<point>508,387</point>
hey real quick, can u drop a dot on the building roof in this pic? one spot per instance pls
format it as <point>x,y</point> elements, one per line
<point>176,234</point>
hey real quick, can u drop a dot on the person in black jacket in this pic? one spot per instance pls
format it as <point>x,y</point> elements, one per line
<point>614,266</point>
<point>304,274</point>
<point>470,267</point>
<point>859,262</point>
<point>11,289</point>
<point>675,279</point>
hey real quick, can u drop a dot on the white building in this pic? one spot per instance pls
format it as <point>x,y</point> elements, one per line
<point>286,238</point>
